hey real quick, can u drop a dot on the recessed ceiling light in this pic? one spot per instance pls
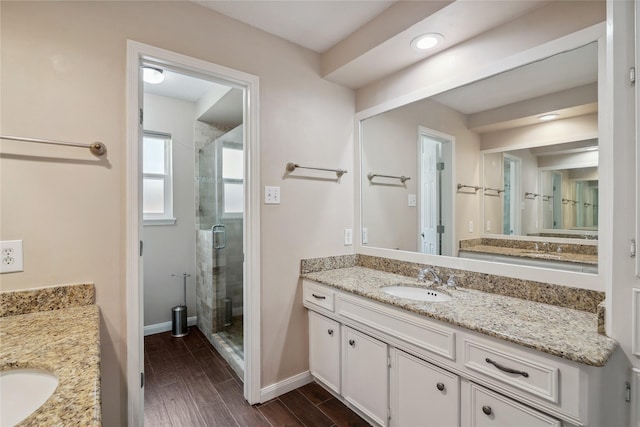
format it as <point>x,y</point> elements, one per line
<point>426,41</point>
<point>152,75</point>
<point>547,117</point>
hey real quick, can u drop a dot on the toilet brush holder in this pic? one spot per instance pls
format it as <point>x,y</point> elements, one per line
<point>179,327</point>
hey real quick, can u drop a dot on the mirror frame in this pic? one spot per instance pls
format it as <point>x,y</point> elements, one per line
<point>595,33</point>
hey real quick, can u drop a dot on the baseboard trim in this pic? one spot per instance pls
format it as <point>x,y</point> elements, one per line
<point>166,326</point>
<point>274,390</point>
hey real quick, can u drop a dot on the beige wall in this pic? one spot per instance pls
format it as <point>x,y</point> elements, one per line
<point>171,249</point>
<point>63,77</point>
<point>390,148</point>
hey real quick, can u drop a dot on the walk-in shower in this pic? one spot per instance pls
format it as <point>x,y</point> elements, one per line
<point>219,249</point>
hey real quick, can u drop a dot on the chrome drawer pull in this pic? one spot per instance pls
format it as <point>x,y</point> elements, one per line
<point>505,369</point>
<point>440,386</point>
<point>487,410</point>
<point>330,332</point>
<point>352,343</point>
<point>319,296</point>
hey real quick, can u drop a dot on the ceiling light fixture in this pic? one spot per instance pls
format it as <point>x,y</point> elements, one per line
<point>426,41</point>
<point>547,117</point>
<point>152,75</point>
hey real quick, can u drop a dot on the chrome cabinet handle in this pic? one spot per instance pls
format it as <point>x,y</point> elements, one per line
<point>352,343</point>
<point>330,332</point>
<point>505,369</point>
<point>319,296</point>
<point>440,386</point>
<point>487,410</point>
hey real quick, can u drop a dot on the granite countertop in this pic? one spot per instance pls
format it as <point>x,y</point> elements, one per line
<point>529,253</point>
<point>65,342</point>
<point>563,332</point>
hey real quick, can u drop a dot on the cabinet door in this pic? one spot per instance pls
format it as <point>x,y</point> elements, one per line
<point>422,394</point>
<point>365,380</point>
<point>324,350</point>
<point>489,409</point>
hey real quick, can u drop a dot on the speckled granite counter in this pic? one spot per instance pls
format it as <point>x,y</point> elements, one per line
<point>66,342</point>
<point>563,332</point>
<point>528,253</point>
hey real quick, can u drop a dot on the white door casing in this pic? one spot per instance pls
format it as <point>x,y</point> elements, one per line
<point>136,52</point>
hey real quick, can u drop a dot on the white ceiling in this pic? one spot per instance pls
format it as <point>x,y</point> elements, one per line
<point>316,25</point>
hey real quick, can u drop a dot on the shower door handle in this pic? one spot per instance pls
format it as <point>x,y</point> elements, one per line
<point>222,230</point>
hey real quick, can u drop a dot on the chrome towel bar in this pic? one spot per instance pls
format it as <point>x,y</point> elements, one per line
<point>96,148</point>
<point>402,178</point>
<point>293,166</point>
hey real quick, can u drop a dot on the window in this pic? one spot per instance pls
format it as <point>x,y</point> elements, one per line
<point>232,180</point>
<point>157,187</point>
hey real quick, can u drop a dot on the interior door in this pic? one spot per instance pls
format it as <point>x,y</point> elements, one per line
<point>430,196</point>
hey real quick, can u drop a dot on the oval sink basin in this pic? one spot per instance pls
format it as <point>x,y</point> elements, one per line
<point>22,391</point>
<point>542,255</point>
<point>416,294</point>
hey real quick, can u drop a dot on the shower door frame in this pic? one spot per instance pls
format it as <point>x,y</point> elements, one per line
<point>136,53</point>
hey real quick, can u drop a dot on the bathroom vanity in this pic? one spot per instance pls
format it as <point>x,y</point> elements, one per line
<point>479,359</point>
<point>54,330</point>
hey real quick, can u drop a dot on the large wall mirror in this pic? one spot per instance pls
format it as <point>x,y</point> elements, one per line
<point>503,169</point>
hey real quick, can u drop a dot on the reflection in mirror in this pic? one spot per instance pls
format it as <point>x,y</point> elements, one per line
<point>482,162</point>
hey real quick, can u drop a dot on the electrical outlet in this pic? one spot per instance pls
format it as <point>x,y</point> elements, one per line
<point>411,202</point>
<point>488,225</point>
<point>470,226</point>
<point>348,236</point>
<point>12,259</point>
<point>365,236</point>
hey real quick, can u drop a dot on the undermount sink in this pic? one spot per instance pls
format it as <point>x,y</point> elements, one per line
<point>542,255</point>
<point>22,392</point>
<point>416,294</point>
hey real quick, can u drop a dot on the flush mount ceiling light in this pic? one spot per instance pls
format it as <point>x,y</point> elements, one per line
<point>152,75</point>
<point>426,41</point>
<point>547,117</point>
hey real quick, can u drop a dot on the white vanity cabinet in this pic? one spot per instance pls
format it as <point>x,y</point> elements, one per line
<point>400,368</point>
<point>421,393</point>
<point>364,374</point>
<point>324,350</point>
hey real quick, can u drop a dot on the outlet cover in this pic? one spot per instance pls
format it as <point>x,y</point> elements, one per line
<point>11,258</point>
<point>411,202</point>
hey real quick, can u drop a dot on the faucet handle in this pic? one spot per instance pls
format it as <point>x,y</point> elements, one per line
<point>420,274</point>
<point>451,282</point>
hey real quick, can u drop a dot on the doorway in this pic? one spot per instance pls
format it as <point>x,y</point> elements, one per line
<point>246,86</point>
<point>435,166</point>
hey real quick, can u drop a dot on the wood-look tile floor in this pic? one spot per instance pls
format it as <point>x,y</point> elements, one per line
<point>189,384</point>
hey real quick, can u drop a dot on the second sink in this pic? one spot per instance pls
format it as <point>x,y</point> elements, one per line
<point>416,294</point>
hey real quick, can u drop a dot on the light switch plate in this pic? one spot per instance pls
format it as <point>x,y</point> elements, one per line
<point>271,195</point>
<point>365,236</point>
<point>412,201</point>
<point>348,236</point>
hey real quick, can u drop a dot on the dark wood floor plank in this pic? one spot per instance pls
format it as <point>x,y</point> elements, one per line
<point>307,413</point>
<point>341,415</point>
<point>180,406</point>
<point>202,391</point>
<point>279,415</point>
<point>315,393</point>
<point>215,370</point>
<point>245,414</point>
<point>218,415</point>
<point>156,415</point>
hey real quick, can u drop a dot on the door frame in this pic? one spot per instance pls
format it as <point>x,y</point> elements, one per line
<point>137,52</point>
<point>448,200</point>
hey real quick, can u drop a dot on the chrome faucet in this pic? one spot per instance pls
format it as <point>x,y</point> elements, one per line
<point>422,274</point>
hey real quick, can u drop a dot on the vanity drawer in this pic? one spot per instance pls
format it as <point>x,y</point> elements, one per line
<point>487,408</point>
<point>525,372</point>
<point>319,296</point>
<point>415,330</point>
